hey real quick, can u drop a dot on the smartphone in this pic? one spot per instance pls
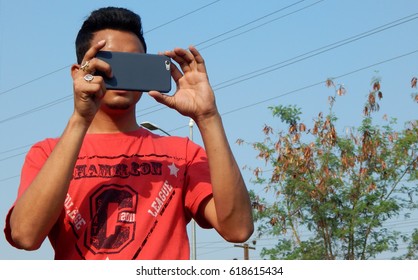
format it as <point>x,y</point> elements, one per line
<point>137,71</point>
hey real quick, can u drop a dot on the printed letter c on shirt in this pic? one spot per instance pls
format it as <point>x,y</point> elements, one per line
<point>113,219</point>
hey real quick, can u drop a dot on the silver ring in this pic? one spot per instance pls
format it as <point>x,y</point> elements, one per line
<point>88,77</point>
<point>85,66</point>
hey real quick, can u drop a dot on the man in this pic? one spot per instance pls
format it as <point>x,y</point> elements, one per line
<point>108,189</point>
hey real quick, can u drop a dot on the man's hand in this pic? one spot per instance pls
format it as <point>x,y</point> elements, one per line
<point>88,94</point>
<point>194,96</point>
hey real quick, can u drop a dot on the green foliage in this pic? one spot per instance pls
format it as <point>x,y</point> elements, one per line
<point>287,114</point>
<point>329,196</point>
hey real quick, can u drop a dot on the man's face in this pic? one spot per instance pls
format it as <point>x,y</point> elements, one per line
<point>119,41</point>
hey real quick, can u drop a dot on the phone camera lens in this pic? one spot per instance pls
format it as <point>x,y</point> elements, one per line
<point>167,64</point>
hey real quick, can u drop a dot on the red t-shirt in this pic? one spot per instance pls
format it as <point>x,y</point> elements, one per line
<point>131,196</point>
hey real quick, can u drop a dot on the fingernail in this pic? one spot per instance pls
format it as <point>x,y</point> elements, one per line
<point>101,42</point>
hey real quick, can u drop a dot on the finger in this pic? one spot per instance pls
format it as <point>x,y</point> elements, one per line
<point>86,64</point>
<point>197,57</point>
<point>162,98</point>
<point>89,79</point>
<point>88,92</point>
<point>180,56</point>
<point>103,67</point>
<point>175,73</point>
<point>91,53</point>
<point>184,54</point>
<point>102,87</point>
<point>91,85</point>
<point>94,66</point>
<point>200,62</point>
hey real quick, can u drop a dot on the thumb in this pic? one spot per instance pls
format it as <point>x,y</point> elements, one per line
<point>162,98</point>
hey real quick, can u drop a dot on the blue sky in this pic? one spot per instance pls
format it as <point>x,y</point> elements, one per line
<point>258,54</point>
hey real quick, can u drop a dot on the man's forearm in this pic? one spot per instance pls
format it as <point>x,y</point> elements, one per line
<point>38,208</point>
<point>231,199</point>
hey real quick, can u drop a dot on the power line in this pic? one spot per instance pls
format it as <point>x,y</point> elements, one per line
<point>39,108</point>
<point>284,94</point>
<point>256,73</point>
<point>310,86</point>
<point>8,178</point>
<point>65,67</point>
<point>313,53</point>
<point>318,83</point>
<point>9,157</point>
<point>264,70</point>
<point>246,24</point>
<point>17,148</point>
<point>301,57</point>
<point>180,17</point>
<point>227,32</point>
<point>34,80</point>
<point>216,250</point>
<point>256,27</point>
<point>306,234</point>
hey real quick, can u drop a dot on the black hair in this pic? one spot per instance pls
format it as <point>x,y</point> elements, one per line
<point>107,18</point>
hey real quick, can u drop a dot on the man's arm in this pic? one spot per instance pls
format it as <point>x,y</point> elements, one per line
<point>229,210</point>
<point>36,211</point>
<point>38,208</point>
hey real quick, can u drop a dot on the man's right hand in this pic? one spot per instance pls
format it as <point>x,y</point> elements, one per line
<point>88,94</point>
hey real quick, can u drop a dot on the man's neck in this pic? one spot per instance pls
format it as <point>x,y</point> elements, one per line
<point>105,123</point>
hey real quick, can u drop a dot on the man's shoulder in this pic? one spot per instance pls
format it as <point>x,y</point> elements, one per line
<point>46,144</point>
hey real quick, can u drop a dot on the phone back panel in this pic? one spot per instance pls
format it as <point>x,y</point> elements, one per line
<point>137,71</point>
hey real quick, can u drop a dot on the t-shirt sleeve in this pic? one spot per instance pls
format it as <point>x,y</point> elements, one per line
<point>34,161</point>
<point>198,182</point>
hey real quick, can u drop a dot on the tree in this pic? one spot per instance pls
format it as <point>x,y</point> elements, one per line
<point>329,195</point>
<point>412,249</point>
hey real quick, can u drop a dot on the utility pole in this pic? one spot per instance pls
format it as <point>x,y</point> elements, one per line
<point>193,225</point>
<point>151,126</point>
<point>246,250</point>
